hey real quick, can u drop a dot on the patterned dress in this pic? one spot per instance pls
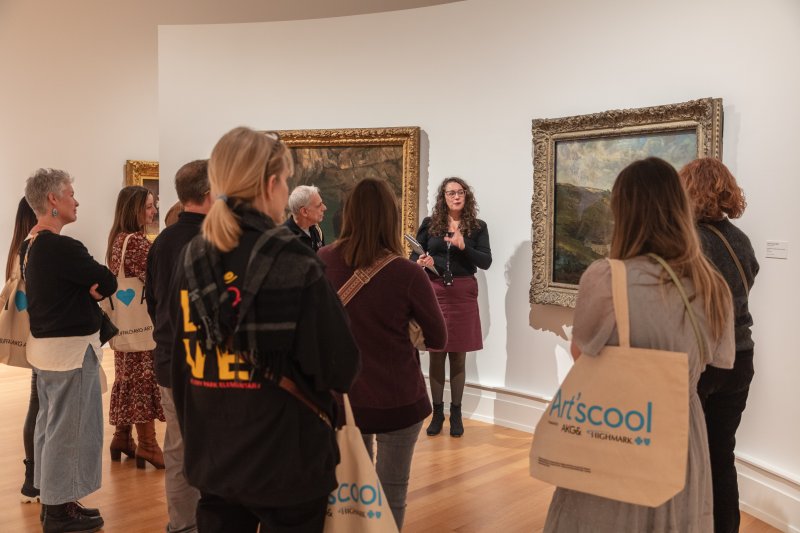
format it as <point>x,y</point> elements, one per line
<point>135,397</point>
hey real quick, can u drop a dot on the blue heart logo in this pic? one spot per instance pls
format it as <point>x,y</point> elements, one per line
<point>378,514</point>
<point>21,301</point>
<point>647,442</point>
<point>126,296</point>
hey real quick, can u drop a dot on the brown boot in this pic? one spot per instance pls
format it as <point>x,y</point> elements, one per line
<point>122,443</point>
<point>148,449</point>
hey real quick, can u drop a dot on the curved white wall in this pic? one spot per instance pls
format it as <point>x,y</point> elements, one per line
<point>473,74</point>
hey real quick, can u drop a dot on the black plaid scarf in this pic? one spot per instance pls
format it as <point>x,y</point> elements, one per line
<point>262,327</point>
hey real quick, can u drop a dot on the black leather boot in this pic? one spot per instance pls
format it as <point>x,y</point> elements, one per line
<point>68,517</point>
<point>456,425</point>
<point>30,494</point>
<point>435,427</point>
<point>85,511</point>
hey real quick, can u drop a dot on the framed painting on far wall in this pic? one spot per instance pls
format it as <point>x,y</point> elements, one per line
<point>576,161</point>
<point>336,159</point>
<point>145,173</point>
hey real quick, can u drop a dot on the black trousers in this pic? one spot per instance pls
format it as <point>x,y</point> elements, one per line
<point>723,394</point>
<point>215,515</point>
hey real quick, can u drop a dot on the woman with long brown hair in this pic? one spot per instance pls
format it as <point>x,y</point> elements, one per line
<point>652,214</point>
<point>456,242</point>
<point>717,198</point>
<point>389,398</point>
<point>24,221</point>
<point>135,398</point>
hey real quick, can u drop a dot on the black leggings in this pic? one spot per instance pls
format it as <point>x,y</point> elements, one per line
<point>457,376</point>
<point>30,419</point>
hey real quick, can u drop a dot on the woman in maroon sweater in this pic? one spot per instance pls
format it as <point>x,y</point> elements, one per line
<point>389,398</point>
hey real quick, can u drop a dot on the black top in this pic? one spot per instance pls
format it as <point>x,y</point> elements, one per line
<point>162,261</point>
<point>247,440</point>
<point>476,253</point>
<point>313,239</point>
<point>58,276</point>
<point>719,256</point>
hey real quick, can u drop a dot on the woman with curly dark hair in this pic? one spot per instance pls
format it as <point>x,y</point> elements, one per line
<point>456,243</point>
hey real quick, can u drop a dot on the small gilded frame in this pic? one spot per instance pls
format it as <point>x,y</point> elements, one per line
<point>145,173</point>
<point>575,163</point>
<point>336,159</point>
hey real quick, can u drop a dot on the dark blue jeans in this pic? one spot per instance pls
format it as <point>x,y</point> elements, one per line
<point>723,394</point>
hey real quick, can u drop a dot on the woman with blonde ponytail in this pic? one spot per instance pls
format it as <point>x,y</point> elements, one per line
<point>652,215</point>
<point>264,342</point>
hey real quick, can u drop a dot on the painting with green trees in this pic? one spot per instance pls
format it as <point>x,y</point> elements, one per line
<point>585,170</point>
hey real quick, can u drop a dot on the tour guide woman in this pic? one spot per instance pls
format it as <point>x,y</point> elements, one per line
<point>457,243</point>
<point>254,362</point>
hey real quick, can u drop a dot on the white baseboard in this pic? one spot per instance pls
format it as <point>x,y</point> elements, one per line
<point>770,496</point>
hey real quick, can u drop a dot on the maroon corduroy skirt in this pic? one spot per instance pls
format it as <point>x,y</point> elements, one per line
<point>459,304</point>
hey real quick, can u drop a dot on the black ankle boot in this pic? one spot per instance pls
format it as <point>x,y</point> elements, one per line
<point>30,494</point>
<point>70,517</point>
<point>435,427</point>
<point>456,425</point>
<point>85,511</point>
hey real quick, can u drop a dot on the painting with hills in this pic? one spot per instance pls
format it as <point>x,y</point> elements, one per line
<point>585,172</point>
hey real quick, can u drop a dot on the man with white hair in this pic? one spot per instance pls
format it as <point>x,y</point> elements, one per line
<point>307,210</point>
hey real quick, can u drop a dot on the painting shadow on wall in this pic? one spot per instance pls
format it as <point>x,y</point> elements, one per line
<point>527,325</point>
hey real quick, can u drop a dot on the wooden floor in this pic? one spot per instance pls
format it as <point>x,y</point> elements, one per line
<point>477,483</point>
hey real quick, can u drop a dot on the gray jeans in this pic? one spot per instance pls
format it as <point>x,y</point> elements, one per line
<point>181,497</point>
<point>68,439</point>
<point>395,450</point>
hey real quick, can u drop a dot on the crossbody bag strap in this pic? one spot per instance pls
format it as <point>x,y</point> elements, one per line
<point>692,318</point>
<point>27,252</point>
<point>619,294</point>
<point>361,277</point>
<point>122,256</point>
<point>735,258</point>
<point>291,387</point>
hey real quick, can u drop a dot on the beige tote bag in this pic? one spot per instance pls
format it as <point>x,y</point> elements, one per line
<point>619,425</point>
<point>127,309</point>
<point>358,504</point>
<point>14,323</point>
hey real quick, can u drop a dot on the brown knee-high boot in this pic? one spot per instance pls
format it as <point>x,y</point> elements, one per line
<point>122,443</point>
<point>148,449</point>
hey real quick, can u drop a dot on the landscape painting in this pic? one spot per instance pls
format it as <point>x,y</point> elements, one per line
<point>575,162</point>
<point>585,172</point>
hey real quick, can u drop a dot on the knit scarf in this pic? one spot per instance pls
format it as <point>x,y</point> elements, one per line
<point>262,327</point>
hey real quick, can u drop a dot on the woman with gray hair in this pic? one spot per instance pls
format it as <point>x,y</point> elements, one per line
<point>64,284</point>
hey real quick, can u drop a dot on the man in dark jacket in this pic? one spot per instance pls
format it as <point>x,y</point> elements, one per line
<point>308,210</point>
<point>191,183</point>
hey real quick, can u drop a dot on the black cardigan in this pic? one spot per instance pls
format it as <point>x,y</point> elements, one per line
<point>476,253</point>
<point>58,276</point>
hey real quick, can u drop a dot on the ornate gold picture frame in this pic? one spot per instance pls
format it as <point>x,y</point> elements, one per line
<point>336,159</point>
<point>145,173</point>
<point>575,162</point>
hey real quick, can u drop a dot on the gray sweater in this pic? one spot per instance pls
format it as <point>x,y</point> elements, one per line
<point>717,253</point>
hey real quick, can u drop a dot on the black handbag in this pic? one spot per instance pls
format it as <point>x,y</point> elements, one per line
<point>107,329</point>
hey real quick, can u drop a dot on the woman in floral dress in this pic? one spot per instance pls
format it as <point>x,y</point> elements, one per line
<point>135,398</point>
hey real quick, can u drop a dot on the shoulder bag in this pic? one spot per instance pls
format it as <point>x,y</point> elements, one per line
<point>127,309</point>
<point>619,425</point>
<point>14,321</point>
<point>358,504</point>
<point>361,277</point>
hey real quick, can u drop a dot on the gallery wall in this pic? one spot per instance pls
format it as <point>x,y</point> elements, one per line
<point>473,75</point>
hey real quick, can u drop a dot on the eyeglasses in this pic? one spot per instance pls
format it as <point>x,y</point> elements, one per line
<point>453,194</point>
